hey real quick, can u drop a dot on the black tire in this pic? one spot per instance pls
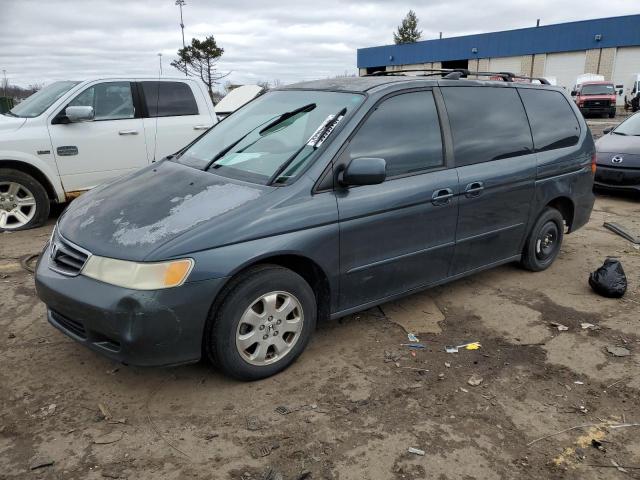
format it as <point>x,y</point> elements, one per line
<point>223,323</point>
<point>42,203</point>
<point>544,241</point>
<point>612,115</point>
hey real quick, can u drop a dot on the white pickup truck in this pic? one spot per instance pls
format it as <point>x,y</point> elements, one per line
<point>72,136</point>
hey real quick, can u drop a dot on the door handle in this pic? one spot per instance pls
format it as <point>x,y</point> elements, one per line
<point>201,127</point>
<point>441,196</point>
<point>128,132</point>
<point>473,189</point>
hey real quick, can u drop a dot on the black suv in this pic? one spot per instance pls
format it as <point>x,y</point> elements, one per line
<point>317,200</point>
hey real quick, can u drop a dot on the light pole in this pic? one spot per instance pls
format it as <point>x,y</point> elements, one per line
<point>160,61</point>
<point>181,3</point>
<point>4,81</point>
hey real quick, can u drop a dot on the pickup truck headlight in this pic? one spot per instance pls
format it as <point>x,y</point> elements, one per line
<point>138,276</point>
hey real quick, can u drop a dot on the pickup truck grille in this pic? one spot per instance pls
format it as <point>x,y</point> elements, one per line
<point>66,258</point>
<point>597,103</point>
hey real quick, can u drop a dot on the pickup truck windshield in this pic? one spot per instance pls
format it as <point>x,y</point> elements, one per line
<point>597,89</point>
<point>37,103</point>
<point>270,139</point>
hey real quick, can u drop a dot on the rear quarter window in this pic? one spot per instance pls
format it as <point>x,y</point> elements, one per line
<point>553,122</point>
<point>487,123</point>
<point>169,99</point>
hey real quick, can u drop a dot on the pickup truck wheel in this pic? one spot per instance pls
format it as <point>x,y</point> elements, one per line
<point>263,324</point>
<point>24,202</point>
<point>543,245</point>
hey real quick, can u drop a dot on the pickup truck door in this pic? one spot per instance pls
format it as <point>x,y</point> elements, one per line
<point>113,144</point>
<point>176,113</point>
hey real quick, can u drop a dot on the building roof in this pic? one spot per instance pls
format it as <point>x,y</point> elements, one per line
<point>563,37</point>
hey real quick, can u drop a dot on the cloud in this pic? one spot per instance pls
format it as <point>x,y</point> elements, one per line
<point>47,40</point>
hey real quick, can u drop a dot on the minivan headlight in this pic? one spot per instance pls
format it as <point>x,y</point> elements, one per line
<point>138,276</point>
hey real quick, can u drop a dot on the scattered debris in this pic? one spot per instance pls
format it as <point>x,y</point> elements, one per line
<point>112,437</point>
<point>578,382</point>
<point>253,424</point>
<point>609,280</point>
<point>598,444</point>
<point>11,335</point>
<point>412,337</point>
<point>112,474</point>
<point>466,346</point>
<point>106,414</point>
<point>618,351</point>
<point>464,390</point>
<point>282,410</point>
<point>28,262</point>
<point>272,474</point>
<point>304,475</point>
<point>211,436</point>
<point>415,346</point>
<point>48,410</point>
<point>264,451</point>
<point>623,232</point>
<point>416,451</point>
<point>560,327</point>
<point>447,364</point>
<point>617,465</point>
<point>475,380</point>
<point>589,326</point>
<point>40,462</point>
<point>441,376</point>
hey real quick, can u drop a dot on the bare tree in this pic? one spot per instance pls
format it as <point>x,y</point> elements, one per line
<point>199,60</point>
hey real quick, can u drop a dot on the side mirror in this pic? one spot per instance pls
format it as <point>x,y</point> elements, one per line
<point>573,93</point>
<point>620,92</point>
<point>79,114</point>
<point>608,130</point>
<point>364,171</point>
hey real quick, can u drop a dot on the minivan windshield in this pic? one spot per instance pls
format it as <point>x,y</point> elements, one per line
<point>597,89</point>
<point>37,103</point>
<point>271,139</point>
<point>631,126</point>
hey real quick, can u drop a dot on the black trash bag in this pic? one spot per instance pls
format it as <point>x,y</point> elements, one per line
<point>609,280</point>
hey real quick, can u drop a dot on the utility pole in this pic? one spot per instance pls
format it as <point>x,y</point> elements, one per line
<point>181,3</point>
<point>160,61</point>
<point>4,81</point>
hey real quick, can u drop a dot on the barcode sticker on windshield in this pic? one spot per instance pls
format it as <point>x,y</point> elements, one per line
<point>322,132</point>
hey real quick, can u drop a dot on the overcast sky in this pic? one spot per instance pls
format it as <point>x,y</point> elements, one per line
<point>288,40</point>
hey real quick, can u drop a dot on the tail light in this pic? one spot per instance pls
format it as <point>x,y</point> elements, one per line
<point>593,163</point>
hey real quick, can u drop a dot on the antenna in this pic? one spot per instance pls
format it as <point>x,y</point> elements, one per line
<point>182,3</point>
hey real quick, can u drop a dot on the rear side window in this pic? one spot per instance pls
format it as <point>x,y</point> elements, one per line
<point>405,131</point>
<point>171,99</point>
<point>488,123</point>
<point>553,123</point>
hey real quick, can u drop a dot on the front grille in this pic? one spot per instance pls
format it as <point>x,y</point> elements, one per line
<point>66,258</point>
<point>618,176</point>
<point>71,325</point>
<point>597,103</point>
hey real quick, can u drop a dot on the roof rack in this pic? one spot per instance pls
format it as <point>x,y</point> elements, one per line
<point>457,73</point>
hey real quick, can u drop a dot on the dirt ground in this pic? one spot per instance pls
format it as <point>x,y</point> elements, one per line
<point>357,399</point>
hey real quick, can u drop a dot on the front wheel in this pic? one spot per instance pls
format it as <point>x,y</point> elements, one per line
<point>24,202</point>
<point>544,241</point>
<point>263,324</point>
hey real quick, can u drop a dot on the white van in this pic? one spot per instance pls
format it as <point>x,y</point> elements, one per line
<point>72,136</point>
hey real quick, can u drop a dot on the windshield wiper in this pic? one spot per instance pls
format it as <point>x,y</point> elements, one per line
<point>278,120</point>
<point>319,136</point>
<point>287,115</point>
<point>10,113</point>
<point>619,133</point>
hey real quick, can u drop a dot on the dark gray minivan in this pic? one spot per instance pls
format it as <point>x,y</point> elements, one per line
<point>311,202</point>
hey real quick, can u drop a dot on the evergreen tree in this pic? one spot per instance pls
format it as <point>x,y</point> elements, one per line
<point>408,32</point>
<point>199,60</point>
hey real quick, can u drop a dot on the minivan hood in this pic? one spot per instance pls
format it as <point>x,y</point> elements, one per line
<point>133,216</point>
<point>9,123</point>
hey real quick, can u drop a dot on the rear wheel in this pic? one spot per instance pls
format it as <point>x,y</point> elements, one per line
<point>263,324</point>
<point>24,202</point>
<point>544,242</point>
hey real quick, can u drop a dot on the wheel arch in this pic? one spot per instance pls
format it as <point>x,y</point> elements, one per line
<point>35,172</point>
<point>566,208</point>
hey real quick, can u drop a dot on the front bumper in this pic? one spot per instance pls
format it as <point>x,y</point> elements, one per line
<point>598,109</point>
<point>144,328</point>
<point>622,179</point>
